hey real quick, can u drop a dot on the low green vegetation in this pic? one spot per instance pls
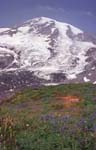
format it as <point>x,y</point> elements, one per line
<point>59,117</point>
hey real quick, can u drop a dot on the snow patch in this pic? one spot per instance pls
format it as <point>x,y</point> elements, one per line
<point>51,84</point>
<point>86,79</point>
<point>94,82</point>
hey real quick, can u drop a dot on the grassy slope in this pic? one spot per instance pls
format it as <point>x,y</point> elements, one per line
<point>38,118</point>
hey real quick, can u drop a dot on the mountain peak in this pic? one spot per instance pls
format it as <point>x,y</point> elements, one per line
<point>41,18</point>
<point>48,21</point>
<point>48,51</point>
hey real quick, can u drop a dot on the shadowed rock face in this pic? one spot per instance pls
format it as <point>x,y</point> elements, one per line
<point>91,59</point>
<point>11,82</point>
<point>25,64</point>
<point>70,34</point>
<point>45,28</point>
<point>10,32</point>
<point>5,60</point>
<point>84,37</point>
<point>87,37</point>
<point>18,80</point>
<point>55,77</point>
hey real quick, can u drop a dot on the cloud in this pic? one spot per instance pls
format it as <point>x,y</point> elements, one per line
<point>52,8</point>
<point>89,13</point>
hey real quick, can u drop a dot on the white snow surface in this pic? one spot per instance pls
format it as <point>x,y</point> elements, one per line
<point>94,82</point>
<point>86,79</point>
<point>4,29</point>
<point>35,55</point>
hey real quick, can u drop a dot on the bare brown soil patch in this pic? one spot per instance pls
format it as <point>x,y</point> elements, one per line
<point>69,100</point>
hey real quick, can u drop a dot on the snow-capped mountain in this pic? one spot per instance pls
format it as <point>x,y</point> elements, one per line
<point>46,51</point>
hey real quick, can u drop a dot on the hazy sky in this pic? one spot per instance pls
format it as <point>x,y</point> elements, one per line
<point>81,13</point>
